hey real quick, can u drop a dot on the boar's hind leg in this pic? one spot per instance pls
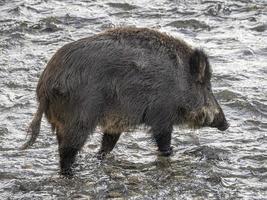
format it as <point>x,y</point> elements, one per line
<point>70,143</point>
<point>109,141</point>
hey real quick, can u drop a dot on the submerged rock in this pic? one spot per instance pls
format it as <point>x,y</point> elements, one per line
<point>260,28</point>
<point>191,23</point>
<point>208,153</point>
<point>123,6</point>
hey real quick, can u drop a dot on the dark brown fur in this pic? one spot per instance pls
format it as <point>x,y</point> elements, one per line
<point>118,80</point>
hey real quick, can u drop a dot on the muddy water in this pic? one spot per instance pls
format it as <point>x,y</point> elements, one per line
<point>207,164</point>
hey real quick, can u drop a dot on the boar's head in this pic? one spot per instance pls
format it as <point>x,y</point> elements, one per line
<point>202,107</point>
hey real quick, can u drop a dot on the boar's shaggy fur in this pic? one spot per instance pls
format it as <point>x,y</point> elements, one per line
<point>118,80</point>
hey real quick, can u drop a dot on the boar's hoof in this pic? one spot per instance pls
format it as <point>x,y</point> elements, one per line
<point>101,155</point>
<point>166,153</point>
<point>68,173</point>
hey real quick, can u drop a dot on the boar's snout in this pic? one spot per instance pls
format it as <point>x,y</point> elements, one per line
<point>220,122</point>
<point>224,126</point>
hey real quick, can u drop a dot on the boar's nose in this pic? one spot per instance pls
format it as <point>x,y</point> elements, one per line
<point>222,127</point>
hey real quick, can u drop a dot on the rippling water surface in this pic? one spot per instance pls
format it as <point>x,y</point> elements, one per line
<point>207,164</point>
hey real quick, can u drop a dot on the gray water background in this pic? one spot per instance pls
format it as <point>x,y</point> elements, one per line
<point>207,164</point>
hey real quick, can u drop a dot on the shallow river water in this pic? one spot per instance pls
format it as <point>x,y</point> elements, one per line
<point>207,163</point>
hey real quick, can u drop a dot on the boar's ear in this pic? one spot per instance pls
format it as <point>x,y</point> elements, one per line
<point>198,65</point>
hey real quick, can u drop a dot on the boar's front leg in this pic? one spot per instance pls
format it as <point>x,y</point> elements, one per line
<point>159,118</point>
<point>162,136</point>
<point>109,141</point>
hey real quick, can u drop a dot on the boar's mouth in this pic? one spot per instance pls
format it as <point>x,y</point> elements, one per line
<point>222,126</point>
<point>202,117</point>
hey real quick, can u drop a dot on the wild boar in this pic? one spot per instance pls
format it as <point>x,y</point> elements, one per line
<point>118,80</point>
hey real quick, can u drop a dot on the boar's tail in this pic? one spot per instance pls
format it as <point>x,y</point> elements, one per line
<point>34,127</point>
